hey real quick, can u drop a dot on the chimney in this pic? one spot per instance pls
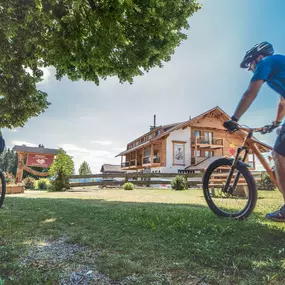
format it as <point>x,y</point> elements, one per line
<point>154,123</point>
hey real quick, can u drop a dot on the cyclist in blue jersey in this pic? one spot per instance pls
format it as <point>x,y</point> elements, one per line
<point>269,67</point>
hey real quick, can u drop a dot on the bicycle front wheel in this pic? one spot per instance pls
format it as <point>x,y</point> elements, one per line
<point>239,199</point>
<point>2,188</point>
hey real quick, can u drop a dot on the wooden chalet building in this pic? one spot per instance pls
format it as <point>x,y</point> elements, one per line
<point>182,147</point>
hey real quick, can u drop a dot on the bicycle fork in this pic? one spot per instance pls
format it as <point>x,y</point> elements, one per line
<point>230,189</point>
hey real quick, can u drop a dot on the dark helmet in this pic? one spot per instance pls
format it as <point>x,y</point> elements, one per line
<point>264,48</point>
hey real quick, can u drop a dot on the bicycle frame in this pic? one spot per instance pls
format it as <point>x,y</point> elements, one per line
<point>250,143</point>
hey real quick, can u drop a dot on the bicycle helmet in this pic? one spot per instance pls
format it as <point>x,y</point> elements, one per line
<point>264,48</point>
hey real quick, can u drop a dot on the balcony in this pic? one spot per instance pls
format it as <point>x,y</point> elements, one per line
<point>154,160</point>
<point>125,164</point>
<point>206,142</point>
<point>134,163</point>
<point>146,160</point>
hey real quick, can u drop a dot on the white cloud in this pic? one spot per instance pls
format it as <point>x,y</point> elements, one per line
<point>95,158</point>
<point>13,130</point>
<point>23,143</point>
<point>47,73</point>
<point>103,142</point>
<point>70,148</point>
<point>119,148</point>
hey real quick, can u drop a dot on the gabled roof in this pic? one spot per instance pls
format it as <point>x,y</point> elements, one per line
<point>111,168</point>
<point>176,126</point>
<point>163,127</point>
<point>192,121</point>
<point>29,149</point>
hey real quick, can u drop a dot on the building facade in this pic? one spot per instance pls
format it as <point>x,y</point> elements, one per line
<point>182,147</point>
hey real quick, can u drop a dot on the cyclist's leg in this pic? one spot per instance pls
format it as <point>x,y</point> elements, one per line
<point>279,159</point>
<point>280,171</point>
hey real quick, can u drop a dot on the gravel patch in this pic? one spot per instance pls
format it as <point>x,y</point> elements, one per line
<point>67,257</point>
<point>52,251</point>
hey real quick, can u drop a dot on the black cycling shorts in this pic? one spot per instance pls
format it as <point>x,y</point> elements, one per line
<point>279,146</point>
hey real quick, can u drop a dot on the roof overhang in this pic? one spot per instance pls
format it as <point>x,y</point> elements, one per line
<point>132,149</point>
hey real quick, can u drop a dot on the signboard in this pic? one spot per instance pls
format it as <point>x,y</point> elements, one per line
<point>40,160</point>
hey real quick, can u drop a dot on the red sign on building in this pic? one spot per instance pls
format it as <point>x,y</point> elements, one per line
<point>41,160</point>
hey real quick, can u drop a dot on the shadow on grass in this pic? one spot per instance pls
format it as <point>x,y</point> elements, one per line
<point>158,236</point>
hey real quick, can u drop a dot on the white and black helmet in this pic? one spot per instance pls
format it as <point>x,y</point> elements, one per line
<point>264,48</point>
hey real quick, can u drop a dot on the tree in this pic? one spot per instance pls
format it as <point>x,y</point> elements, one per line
<point>61,168</point>
<point>84,169</point>
<point>87,39</point>
<point>9,161</point>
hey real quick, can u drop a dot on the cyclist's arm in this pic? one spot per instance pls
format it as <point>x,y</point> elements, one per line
<point>248,97</point>
<point>280,109</point>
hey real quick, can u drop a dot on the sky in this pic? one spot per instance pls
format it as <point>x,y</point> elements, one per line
<point>95,123</point>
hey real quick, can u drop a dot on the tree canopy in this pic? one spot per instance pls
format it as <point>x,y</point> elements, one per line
<point>83,39</point>
<point>84,169</point>
<point>61,168</point>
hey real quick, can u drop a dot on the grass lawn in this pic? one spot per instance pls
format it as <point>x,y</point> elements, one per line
<point>136,237</point>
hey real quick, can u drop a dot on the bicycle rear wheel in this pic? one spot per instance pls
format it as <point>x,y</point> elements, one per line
<point>239,200</point>
<point>2,188</point>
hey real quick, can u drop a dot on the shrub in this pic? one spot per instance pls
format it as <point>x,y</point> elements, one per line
<point>128,186</point>
<point>61,183</point>
<point>43,184</point>
<point>61,168</point>
<point>265,183</point>
<point>29,182</point>
<point>179,183</point>
<point>10,178</point>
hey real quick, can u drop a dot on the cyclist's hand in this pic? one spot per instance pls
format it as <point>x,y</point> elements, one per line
<point>269,128</point>
<point>231,125</point>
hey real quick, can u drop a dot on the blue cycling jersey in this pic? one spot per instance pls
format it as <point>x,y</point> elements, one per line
<point>272,70</point>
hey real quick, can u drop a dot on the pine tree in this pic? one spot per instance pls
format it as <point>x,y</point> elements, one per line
<point>84,169</point>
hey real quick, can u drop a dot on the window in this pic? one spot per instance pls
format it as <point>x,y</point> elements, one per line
<point>147,152</point>
<point>197,133</point>
<point>208,137</point>
<point>197,153</point>
<point>209,153</point>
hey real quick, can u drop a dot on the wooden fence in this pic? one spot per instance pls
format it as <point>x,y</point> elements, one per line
<point>147,179</point>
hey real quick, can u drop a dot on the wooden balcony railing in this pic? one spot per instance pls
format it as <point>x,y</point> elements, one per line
<point>156,159</point>
<point>144,160</point>
<point>125,164</point>
<point>206,140</point>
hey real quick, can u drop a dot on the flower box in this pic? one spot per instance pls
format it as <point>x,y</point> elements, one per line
<point>14,189</point>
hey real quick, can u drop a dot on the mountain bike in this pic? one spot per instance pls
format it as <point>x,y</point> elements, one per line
<point>229,186</point>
